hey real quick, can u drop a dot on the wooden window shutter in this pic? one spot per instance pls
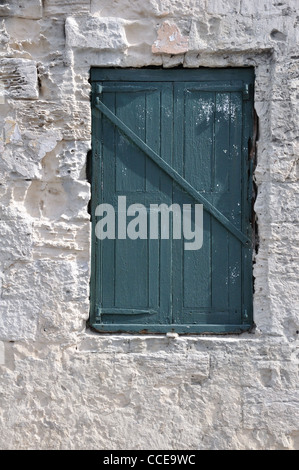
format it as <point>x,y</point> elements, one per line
<point>173,137</point>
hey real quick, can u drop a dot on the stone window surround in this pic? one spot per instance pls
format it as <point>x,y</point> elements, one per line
<point>78,60</point>
<point>262,60</point>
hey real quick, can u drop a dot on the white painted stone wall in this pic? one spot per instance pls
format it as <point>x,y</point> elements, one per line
<point>63,386</point>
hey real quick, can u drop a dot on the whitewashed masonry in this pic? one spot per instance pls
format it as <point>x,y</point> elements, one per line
<point>63,386</point>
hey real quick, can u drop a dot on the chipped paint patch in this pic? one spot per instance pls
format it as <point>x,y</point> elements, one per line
<point>170,40</point>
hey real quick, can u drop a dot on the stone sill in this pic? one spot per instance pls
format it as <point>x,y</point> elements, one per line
<point>94,342</point>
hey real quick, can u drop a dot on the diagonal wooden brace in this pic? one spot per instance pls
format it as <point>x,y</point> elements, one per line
<point>171,172</point>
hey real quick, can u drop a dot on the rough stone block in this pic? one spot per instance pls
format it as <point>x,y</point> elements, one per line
<point>267,374</point>
<point>283,207</point>
<point>285,164</point>
<point>261,7</point>
<point>4,38</point>
<point>140,32</point>
<point>58,199</point>
<point>279,410</point>
<point>151,8</point>
<point>284,121</point>
<point>18,320</point>
<point>31,9</point>
<point>192,368</point>
<point>16,240</point>
<point>2,353</point>
<point>34,283</point>
<point>96,33</point>
<point>19,78</point>
<point>63,7</point>
<point>72,160</point>
<point>23,150</point>
<point>22,31</point>
<point>223,7</point>
<point>49,121</point>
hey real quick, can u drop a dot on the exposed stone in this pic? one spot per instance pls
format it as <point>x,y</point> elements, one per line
<point>170,40</point>
<point>19,77</point>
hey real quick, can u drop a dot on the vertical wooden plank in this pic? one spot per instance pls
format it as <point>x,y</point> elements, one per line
<point>130,164</point>
<point>166,192</point>
<point>197,272</point>
<point>131,273</point>
<point>108,190</point>
<point>219,235</point>
<point>222,143</point>
<point>219,238</point>
<point>235,192</point>
<point>131,256</point>
<point>198,170</point>
<point>96,262</point>
<point>235,159</point>
<point>247,314</point>
<point>199,139</point>
<point>178,165</point>
<point>153,139</point>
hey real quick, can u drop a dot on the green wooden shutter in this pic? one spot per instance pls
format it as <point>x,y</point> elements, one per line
<point>173,136</point>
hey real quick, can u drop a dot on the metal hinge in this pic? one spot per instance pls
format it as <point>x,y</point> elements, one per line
<point>245,316</point>
<point>246,92</point>
<point>99,314</point>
